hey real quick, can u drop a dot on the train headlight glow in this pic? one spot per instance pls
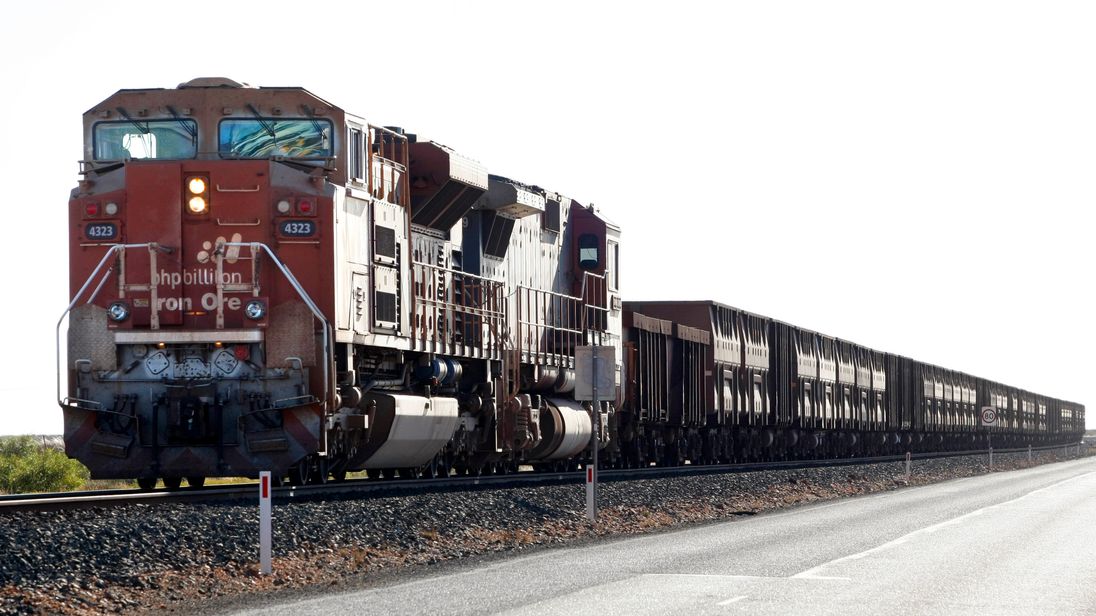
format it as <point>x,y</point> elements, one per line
<point>110,209</point>
<point>196,194</point>
<point>255,310</point>
<point>118,312</point>
<point>283,207</point>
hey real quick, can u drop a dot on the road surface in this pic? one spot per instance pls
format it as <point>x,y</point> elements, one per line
<point>1021,542</point>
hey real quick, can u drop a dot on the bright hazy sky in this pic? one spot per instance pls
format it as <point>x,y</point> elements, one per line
<point>915,176</point>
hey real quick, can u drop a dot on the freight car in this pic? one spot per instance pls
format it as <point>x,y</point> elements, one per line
<point>752,388</point>
<point>261,280</point>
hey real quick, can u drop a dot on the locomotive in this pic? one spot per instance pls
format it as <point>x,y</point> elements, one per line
<point>261,280</point>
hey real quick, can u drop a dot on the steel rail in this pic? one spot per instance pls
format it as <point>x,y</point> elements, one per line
<point>374,487</point>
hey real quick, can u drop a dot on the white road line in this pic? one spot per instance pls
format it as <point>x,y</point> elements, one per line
<point>732,600</point>
<point>714,576</point>
<point>812,573</point>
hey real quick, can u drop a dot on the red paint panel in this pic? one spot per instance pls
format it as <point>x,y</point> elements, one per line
<point>265,487</point>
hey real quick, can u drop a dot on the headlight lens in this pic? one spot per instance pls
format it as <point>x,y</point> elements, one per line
<point>110,209</point>
<point>197,205</point>
<point>255,310</point>
<point>118,312</point>
<point>283,207</point>
<point>197,185</point>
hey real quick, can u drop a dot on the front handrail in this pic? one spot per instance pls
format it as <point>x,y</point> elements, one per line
<point>111,249</point>
<point>328,350</point>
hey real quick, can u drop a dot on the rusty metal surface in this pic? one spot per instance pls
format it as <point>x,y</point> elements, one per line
<point>90,339</point>
<point>291,333</point>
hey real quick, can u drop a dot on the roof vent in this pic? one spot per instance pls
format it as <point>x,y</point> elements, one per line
<point>212,82</point>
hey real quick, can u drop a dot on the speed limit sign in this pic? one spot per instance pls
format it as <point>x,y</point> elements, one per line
<point>989,416</point>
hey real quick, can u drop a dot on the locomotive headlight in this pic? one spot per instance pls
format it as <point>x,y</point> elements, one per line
<point>283,206</point>
<point>110,209</point>
<point>118,312</point>
<point>196,189</point>
<point>255,310</point>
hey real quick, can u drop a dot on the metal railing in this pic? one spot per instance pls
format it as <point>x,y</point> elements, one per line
<point>456,313</point>
<point>551,325</point>
<point>328,350</point>
<point>152,247</point>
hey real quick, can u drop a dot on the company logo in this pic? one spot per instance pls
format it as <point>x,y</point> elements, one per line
<point>232,253</point>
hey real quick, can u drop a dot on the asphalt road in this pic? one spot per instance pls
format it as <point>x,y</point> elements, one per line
<point>1020,542</point>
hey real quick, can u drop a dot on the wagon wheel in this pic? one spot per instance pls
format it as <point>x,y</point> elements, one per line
<point>195,482</point>
<point>146,483</point>
<point>173,483</point>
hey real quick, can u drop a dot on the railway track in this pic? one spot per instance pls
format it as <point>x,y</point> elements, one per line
<point>366,487</point>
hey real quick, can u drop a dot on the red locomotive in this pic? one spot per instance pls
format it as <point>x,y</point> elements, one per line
<point>264,281</point>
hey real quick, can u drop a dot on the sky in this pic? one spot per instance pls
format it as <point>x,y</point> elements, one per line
<point>916,177</point>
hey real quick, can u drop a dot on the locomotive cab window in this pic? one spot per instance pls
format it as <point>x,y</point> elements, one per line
<point>588,257</point>
<point>270,137</point>
<point>167,139</point>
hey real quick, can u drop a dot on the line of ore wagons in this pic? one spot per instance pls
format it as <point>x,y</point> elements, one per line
<point>700,364</point>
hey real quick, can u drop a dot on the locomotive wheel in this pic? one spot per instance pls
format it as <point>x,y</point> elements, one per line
<point>301,473</point>
<point>146,483</point>
<point>339,475</point>
<point>320,476</point>
<point>173,483</point>
<point>195,482</point>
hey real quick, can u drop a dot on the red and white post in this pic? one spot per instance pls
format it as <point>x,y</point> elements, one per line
<point>265,566</point>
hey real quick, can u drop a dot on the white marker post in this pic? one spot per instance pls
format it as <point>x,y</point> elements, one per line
<point>590,379</point>
<point>265,566</point>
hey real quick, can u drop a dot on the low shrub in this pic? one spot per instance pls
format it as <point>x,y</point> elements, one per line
<point>28,465</point>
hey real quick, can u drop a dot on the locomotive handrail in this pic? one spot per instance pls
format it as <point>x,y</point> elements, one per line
<point>111,249</point>
<point>327,349</point>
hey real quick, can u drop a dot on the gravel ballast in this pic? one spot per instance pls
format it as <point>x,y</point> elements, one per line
<point>133,558</point>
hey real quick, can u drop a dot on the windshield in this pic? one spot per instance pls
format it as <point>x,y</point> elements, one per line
<point>268,137</point>
<point>146,139</point>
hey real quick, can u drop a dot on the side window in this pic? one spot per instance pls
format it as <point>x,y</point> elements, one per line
<point>354,163</point>
<point>612,266</point>
<point>588,257</point>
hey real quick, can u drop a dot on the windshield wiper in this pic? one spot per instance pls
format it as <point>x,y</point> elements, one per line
<point>143,128</point>
<point>190,130</point>
<point>312,118</point>
<point>266,125</point>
